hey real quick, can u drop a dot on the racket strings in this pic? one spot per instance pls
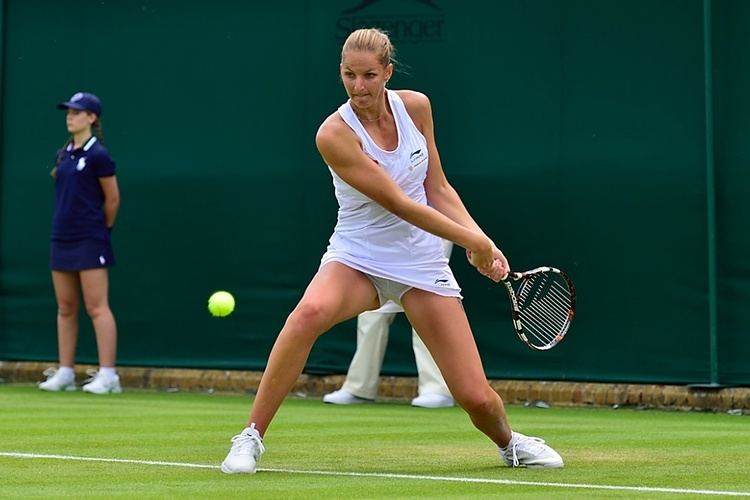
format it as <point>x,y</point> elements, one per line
<point>545,302</point>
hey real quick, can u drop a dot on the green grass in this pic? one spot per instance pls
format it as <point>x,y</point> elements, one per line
<point>624,447</point>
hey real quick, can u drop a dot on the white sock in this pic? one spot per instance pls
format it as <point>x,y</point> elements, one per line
<point>66,371</point>
<point>513,439</point>
<point>108,372</point>
<point>252,431</point>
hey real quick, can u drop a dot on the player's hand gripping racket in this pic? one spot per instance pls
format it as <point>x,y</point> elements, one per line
<point>544,303</point>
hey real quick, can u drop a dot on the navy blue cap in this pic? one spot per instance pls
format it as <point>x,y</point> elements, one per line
<point>83,101</point>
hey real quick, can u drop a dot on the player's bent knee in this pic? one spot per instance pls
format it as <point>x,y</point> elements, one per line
<point>478,401</point>
<point>311,317</point>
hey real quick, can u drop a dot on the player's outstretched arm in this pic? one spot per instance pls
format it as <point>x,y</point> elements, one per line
<point>340,149</point>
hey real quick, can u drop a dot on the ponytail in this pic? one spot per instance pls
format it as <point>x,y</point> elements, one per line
<point>97,128</point>
<point>59,157</point>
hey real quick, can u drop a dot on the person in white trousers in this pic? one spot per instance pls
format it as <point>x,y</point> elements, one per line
<point>361,384</point>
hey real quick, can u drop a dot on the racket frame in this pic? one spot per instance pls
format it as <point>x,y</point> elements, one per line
<point>516,310</point>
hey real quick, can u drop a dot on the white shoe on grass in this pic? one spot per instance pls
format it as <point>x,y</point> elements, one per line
<point>100,383</point>
<point>525,451</point>
<point>342,397</point>
<point>58,380</point>
<point>243,456</point>
<point>432,400</point>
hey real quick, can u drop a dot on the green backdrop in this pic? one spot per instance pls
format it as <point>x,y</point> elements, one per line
<point>576,132</point>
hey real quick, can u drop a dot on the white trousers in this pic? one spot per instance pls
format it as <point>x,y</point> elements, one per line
<point>372,340</point>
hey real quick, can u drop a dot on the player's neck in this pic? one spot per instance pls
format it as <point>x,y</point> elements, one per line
<point>370,115</point>
<point>369,119</point>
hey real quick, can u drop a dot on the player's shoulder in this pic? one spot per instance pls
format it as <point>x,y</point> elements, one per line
<point>414,100</point>
<point>332,129</point>
<point>417,105</point>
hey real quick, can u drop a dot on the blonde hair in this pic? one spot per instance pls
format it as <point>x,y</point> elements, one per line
<point>372,40</point>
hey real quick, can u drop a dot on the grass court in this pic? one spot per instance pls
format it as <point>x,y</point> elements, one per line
<point>147,444</point>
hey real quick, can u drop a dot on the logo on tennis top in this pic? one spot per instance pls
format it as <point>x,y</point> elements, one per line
<point>81,164</point>
<point>416,159</point>
<point>102,260</point>
<point>442,282</point>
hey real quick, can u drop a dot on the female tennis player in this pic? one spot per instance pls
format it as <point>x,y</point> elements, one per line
<point>395,204</point>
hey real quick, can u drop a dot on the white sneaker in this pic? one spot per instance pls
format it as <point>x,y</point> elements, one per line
<point>342,397</point>
<point>525,451</point>
<point>432,400</point>
<point>56,381</point>
<point>103,384</point>
<point>243,456</point>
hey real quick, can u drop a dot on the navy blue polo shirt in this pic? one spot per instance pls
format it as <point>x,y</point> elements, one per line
<point>78,195</point>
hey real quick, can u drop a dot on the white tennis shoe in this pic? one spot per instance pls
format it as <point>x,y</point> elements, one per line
<point>103,384</point>
<point>58,381</point>
<point>432,400</point>
<point>243,456</point>
<point>525,451</point>
<point>342,397</point>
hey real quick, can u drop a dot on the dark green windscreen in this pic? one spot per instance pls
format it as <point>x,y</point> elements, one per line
<point>574,130</point>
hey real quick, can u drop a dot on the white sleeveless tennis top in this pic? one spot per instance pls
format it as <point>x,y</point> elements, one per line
<point>373,240</point>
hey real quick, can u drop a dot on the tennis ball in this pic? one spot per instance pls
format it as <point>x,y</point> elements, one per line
<point>221,304</point>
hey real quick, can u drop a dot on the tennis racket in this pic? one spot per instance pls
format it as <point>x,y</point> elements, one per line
<point>543,304</point>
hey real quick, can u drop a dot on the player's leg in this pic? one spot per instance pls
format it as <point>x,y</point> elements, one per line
<point>444,328</point>
<point>67,293</point>
<point>442,324</point>
<point>372,340</point>
<point>95,286</point>
<point>335,294</point>
<point>432,392</point>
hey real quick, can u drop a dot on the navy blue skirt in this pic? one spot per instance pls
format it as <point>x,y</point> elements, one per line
<point>80,255</point>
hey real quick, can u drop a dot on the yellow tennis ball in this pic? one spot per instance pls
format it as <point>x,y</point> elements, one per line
<point>221,304</point>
